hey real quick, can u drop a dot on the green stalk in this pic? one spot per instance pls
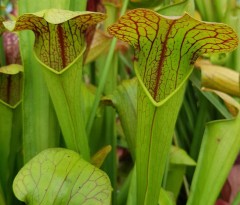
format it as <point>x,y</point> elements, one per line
<point>166,170</point>
<point>153,148</point>
<point>11,78</point>
<point>108,82</point>
<point>202,117</point>
<point>103,76</point>
<point>205,7</point>
<point>101,86</point>
<point>65,89</point>
<point>219,8</point>
<point>6,131</point>
<point>219,149</point>
<point>2,199</point>
<point>109,117</point>
<point>15,159</point>
<point>40,126</point>
<point>182,134</point>
<point>124,191</point>
<point>189,115</point>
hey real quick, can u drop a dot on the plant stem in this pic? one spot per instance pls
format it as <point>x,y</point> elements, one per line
<point>212,98</point>
<point>186,185</point>
<point>165,176</point>
<point>103,77</point>
<point>154,134</point>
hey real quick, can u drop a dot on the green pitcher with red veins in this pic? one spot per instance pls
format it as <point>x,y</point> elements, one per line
<point>59,47</point>
<point>165,50</point>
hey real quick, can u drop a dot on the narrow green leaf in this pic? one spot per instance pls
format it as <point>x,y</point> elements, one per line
<point>10,122</point>
<point>2,199</point>
<point>15,157</point>
<point>154,134</point>
<point>104,75</point>
<point>212,10</point>
<point>165,198</point>
<point>212,98</point>
<point>132,193</point>
<point>178,159</point>
<point>5,136</point>
<point>88,94</point>
<point>11,81</point>
<point>165,49</point>
<point>109,114</point>
<point>124,99</point>
<point>220,146</point>
<point>61,176</point>
<point>206,9</point>
<point>174,180</point>
<point>10,98</point>
<point>232,104</point>
<point>100,45</point>
<point>110,137</point>
<point>124,192</point>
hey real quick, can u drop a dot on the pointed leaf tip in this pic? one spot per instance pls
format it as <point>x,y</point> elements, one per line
<point>166,47</point>
<point>98,158</point>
